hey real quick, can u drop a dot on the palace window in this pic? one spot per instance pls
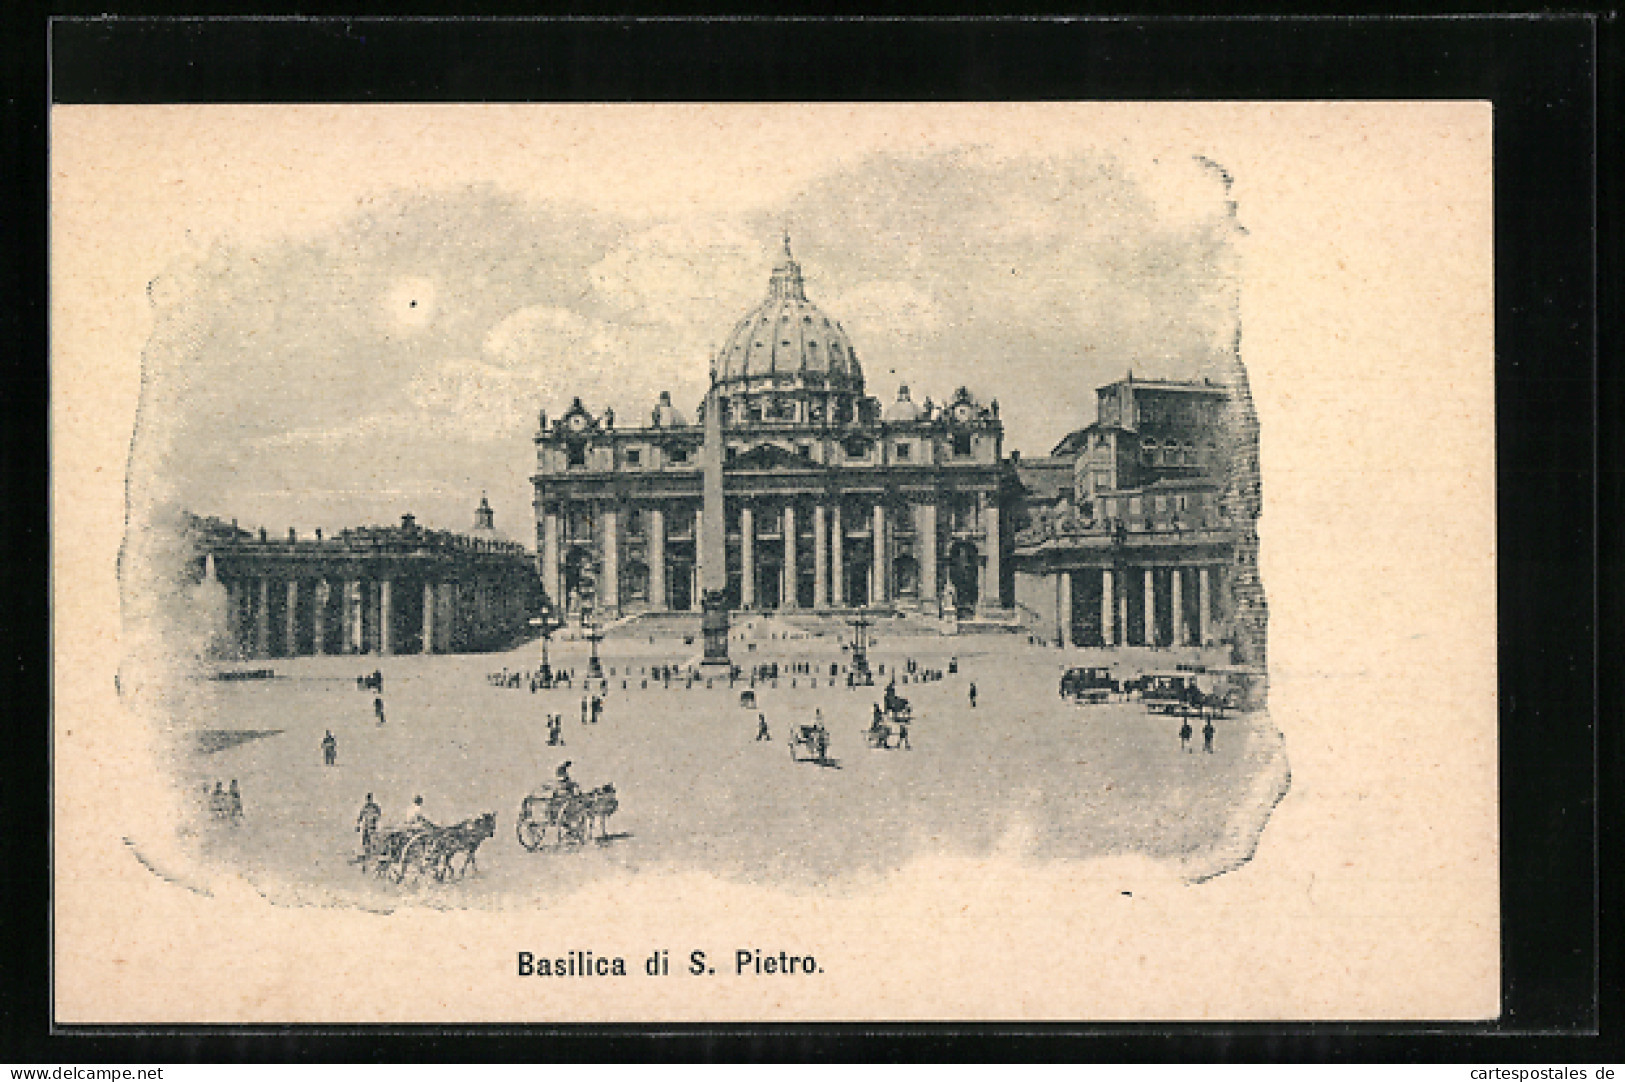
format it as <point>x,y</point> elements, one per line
<point>903,450</point>
<point>678,455</point>
<point>634,457</point>
<point>804,450</point>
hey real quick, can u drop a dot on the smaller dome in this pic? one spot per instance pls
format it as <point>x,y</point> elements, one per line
<point>666,415</point>
<point>903,409</point>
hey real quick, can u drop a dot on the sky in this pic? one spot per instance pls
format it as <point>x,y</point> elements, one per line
<point>376,303</point>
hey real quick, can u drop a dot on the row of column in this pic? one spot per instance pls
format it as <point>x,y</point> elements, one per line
<point>829,562</point>
<point>1114,606</point>
<point>440,612</point>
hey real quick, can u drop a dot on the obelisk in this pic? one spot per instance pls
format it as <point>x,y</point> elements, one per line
<point>713,537</point>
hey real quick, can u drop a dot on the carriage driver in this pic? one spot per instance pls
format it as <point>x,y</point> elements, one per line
<point>415,819</point>
<point>563,778</point>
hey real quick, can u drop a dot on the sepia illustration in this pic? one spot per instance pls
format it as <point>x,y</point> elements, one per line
<point>799,562</point>
<point>808,591</point>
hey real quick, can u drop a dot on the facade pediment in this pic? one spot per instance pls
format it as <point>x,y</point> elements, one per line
<point>770,456</point>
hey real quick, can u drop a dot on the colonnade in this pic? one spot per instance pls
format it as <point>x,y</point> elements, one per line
<point>362,615</point>
<point>1141,605</point>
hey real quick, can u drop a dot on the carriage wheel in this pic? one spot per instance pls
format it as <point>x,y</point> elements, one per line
<point>414,858</point>
<point>531,833</point>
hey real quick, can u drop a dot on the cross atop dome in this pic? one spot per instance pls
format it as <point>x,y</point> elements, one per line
<point>786,282</point>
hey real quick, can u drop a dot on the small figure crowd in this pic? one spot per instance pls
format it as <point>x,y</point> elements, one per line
<point>225,805</point>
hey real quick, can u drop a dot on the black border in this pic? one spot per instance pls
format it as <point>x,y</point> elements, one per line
<point>1541,74</point>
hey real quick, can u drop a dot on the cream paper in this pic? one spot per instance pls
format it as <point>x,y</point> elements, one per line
<point>1366,312</point>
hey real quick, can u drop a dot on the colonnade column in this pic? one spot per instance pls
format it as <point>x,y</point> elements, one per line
<point>788,598</point>
<point>1150,608</point>
<point>657,559</point>
<point>445,614</point>
<point>551,579</point>
<point>837,558</point>
<point>1176,596</point>
<point>609,591</point>
<point>318,624</point>
<point>352,617</point>
<point>290,621</point>
<point>877,576</point>
<point>429,644</point>
<point>234,616</point>
<point>925,544</point>
<point>747,558</point>
<point>386,617</point>
<point>1063,609</point>
<point>262,620</point>
<point>1108,609</point>
<point>993,592</point>
<point>1202,600</point>
<point>820,557</point>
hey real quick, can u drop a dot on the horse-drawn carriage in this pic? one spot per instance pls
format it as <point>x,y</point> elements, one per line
<point>893,711</point>
<point>559,815</point>
<point>813,740</point>
<point>373,681</point>
<point>421,850</point>
<point>1093,684</point>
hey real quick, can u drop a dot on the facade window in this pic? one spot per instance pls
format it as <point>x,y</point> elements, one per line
<point>961,444</point>
<point>733,453</point>
<point>678,455</point>
<point>1134,508</point>
<point>903,450</point>
<point>804,450</point>
<point>577,453</point>
<point>634,457</point>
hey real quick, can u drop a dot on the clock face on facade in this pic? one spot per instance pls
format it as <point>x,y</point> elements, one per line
<point>578,423</point>
<point>962,412</point>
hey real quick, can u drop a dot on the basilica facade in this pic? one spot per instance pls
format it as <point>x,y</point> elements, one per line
<point>831,500</point>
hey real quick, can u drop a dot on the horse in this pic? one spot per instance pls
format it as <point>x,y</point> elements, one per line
<point>601,804</point>
<point>462,838</point>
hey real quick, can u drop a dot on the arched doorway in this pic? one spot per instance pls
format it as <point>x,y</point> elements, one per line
<point>578,577</point>
<point>635,582</point>
<point>905,577</point>
<point>965,572</point>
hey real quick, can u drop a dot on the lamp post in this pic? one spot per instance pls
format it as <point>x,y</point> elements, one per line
<point>589,621</point>
<point>860,648</point>
<point>545,626</point>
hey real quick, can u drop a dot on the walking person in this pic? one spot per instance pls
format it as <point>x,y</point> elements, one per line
<point>585,708</point>
<point>378,708</point>
<point>973,695</point>
<point>367,823</point>
<point>1185,735</point>
<point>1207,737</point>
<point>761,728</point>
<point>902,734</point>
<point>219,803</point>
<point>330,749</point>
<point>597,709</point>
<point>234,803</point>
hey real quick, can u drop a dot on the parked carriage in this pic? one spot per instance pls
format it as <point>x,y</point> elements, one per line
<point>1093,684</point>
<point>554,816</point>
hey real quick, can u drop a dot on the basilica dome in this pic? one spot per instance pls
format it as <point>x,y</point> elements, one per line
<point>788,341</point>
